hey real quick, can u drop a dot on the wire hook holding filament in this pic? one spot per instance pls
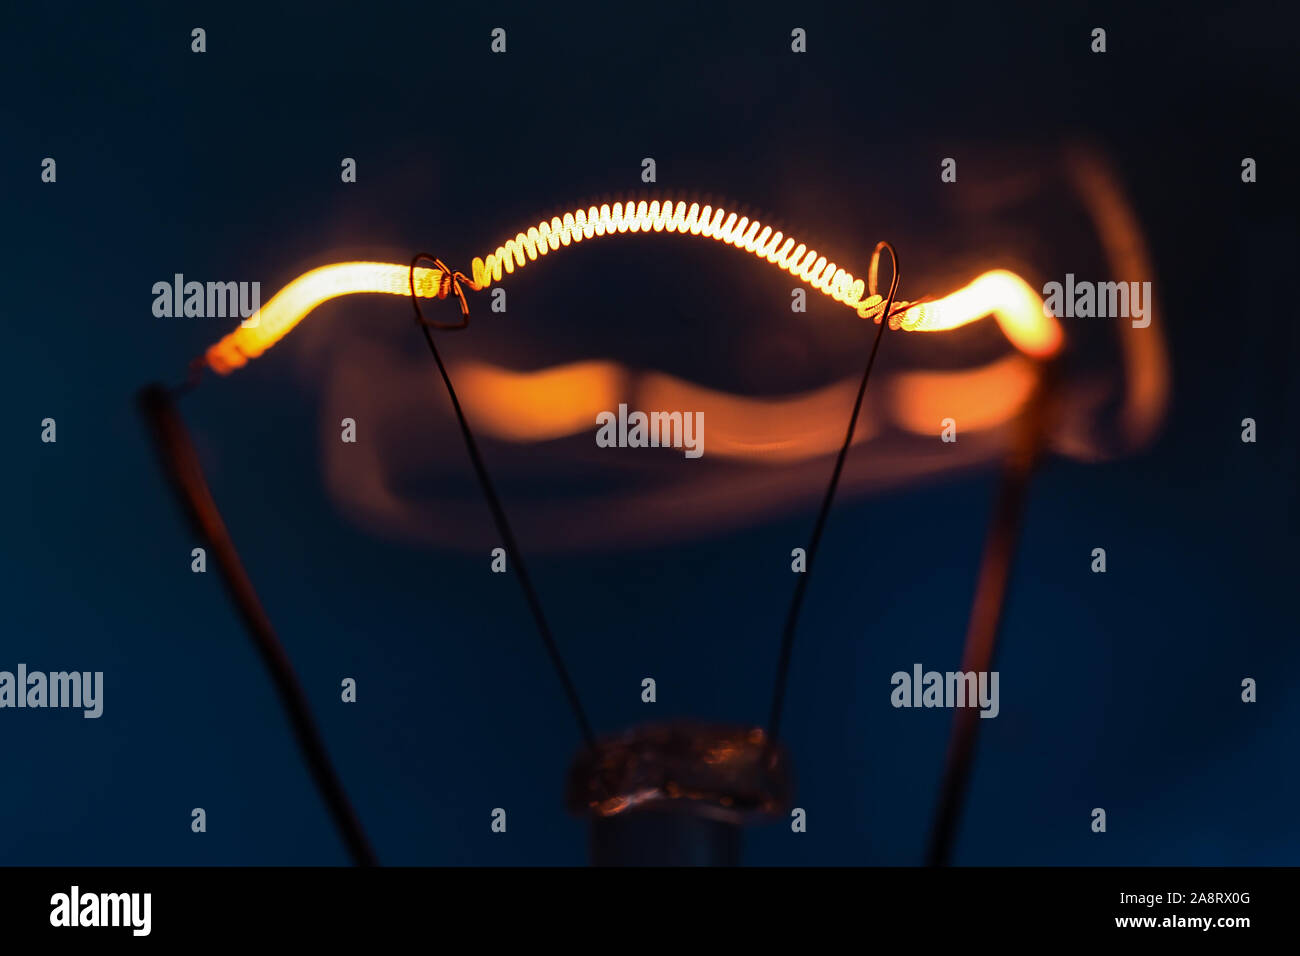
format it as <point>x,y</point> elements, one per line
<point>448,282</point>
<point>873,273</point>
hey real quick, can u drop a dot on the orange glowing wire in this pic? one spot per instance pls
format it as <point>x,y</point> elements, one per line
<point>1016,307</point>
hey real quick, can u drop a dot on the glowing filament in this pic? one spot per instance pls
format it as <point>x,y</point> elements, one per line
<point>1009,299</point>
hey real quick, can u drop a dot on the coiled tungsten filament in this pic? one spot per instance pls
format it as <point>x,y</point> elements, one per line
<point>1015,306</point>
<point>695,220</point>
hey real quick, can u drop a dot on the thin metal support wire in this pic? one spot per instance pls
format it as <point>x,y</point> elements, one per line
<point>801,585</point>
<point>987,611</point>
<point>182,466</point>
<point>451,282</point>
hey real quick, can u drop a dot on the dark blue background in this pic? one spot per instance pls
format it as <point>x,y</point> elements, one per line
<point>1119,691</point>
